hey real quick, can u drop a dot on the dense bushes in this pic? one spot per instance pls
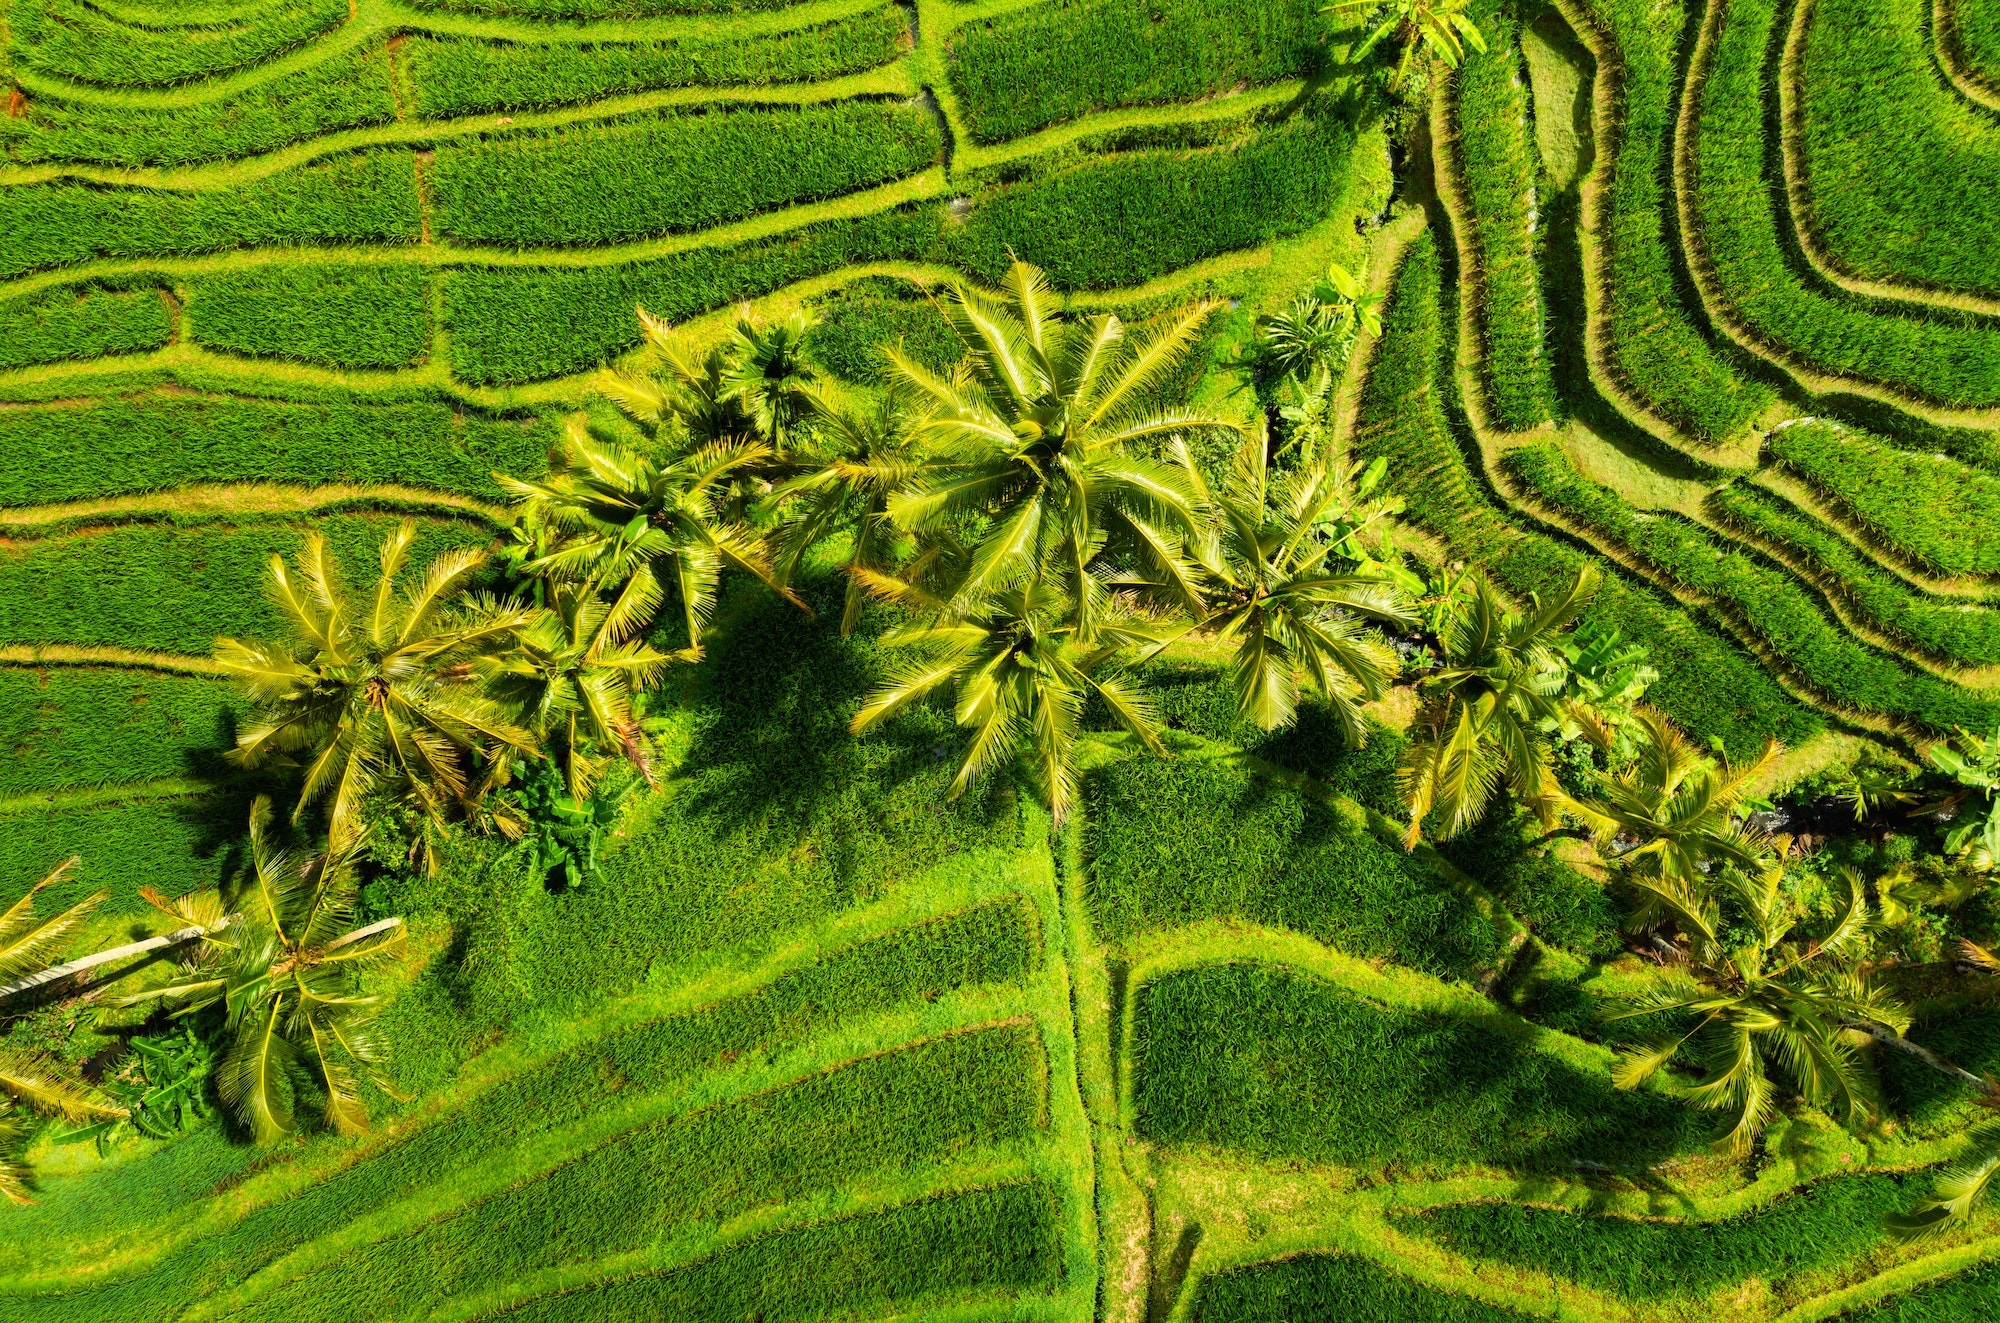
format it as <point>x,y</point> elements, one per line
<point>1706,684</point>
<point>76,40</point>
<point>81,321</point>
<point>1172,843</point>
<point>367,197</point>
<point>519,324</point>
<point>1308,1288</point>
<point>1655,347</point>
<point>459,77</point>
<point>1279,1065</point>
<point>1822,1225</point>
<point>1025,70</point>
<point>1953,632</point>
<point>1493,158</point>
<point>345,316</point>
<point>670,173</point>
<point>1927,509</point>
<point>1876,119</point>
<point>1763,600</point>
<point>147,443</point>
<point>1738,233</point>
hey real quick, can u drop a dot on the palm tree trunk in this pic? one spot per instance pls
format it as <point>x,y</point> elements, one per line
<point>56,973</point>
<point>1882,1033</point>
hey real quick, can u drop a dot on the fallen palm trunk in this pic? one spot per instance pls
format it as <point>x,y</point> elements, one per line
<point>56,973</point>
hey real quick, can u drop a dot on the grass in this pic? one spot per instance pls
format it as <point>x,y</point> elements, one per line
<point>1826,1224</point>
<point>853,322</point>
<point>71,39</point>
<point>601,184</point>
<point>174,844</point>
<point>369,317</point>
<point>83,726</point>
<point>1280,1066</point>
<point>1925,509</point>
<point>1976,33</point>
<point>82,321</point>
<point>1174,843</point>
<point>1308,1287</point>
<point>152,442</point>
<point>1968,1295</point>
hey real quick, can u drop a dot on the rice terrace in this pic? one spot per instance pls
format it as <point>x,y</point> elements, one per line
<point>1000,661</point>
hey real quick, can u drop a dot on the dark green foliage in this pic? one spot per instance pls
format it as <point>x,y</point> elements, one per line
<point>81,321</point>
<point>349,90</point>
<point>355,199</point>
<point>1125,219</point>
<point>1279,1065</point>
<point>146,443</point>
<point>459,76</point>
<point>177,589</point>
<point>1877,118</point>
<point>1764,599</point>
<point>1951,631</point>
<point>1172,843</point>
<point>1022,71</point>
<point>1494,156</point>
<point>671,173</point>
<point>1923,508</point>
<point>866,1120</point>
<point>75,40</point>
<point>1316,1288</point>
<point>1822,1225</point>
<point>1975,1294</point>
<point>1656,348</point>
<point>854,323</point>
<point>1560,905</point>
<point>510,325</point>
<point>174,845</point>
<point>344,316</point>
<point>1942,358</point>
<point>998,1240</point>
<point>990,944</point>
<point>89,726</point>
<point>1706,684</point>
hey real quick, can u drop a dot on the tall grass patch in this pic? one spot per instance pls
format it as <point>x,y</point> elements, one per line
<point>76,40</point>
<point>1018,72</point>
<point>1173,843</point>
<point>64,726</point>
<point>1280,1065</point>
<point>174,845</point>
<point>81,321</point>
<point>598,9</point>
<point>1307,1288</point>
<point>1927,509</point>
<point>672,173</point>
<point>342,316</point>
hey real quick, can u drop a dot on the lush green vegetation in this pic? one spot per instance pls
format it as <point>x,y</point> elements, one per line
<point>375,317</point>
<point>83,321</point>
<point>1310,1286</point>
<point>67,39</point>
<point>1925,509</point>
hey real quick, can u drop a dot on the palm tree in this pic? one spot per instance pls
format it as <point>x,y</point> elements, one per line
<point>286,970</point>
<point>1502,677</point>
<point>1035,440</point>
<point>1275,571</point>
<point>379,695</point>
<point>640,526</point>
<point>866,456</point>
<point>770,377</point>
<point>572,677</point>
<point>36,1080</point>
<point>1677,805</point>
<point>1771,1005</point>
<point>692,400</point>
<point>1441,27</point>
<point>1022,669</point>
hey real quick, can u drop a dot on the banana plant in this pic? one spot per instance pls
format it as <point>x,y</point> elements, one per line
<point>1974,762</point>
<point>1316,334</point>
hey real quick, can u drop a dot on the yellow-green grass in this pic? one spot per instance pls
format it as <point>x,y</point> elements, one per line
<point>1968,43</point>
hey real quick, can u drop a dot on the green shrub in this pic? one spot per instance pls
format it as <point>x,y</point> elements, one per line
<point>1972,1294</point>
<point>1176,842</point>
<point>177,589</point>
<point>855,322</point>
<point>372,196</point>
<point>1927,509</point>
<point>1656,348</point>
<point>1002,1240</point>
<point>345,316</point>
<point>90,726</point>
<point>516,324</point>
<point>174,845</point>
<point>1942,358</point>
<point>1876,118</point>
<point>76,40</point>
<point>1763,599</point>
<point>1826,1223</point>
<point>1708,685</point>
<point>81,321</point>
<point>1278,1065</point>
<point>1124,219</point>
<point>1948,631</point>
<point>1308,1288</point>
<point>349,90</point>
<point>460,76</point>
<point>1022,71</point>
<point>924,1104</point>
<point>1493,157</point>
<point>146,443</point>
<point>602,183</point>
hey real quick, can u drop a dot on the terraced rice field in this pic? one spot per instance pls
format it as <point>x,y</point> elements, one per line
<point>1707,291</point>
